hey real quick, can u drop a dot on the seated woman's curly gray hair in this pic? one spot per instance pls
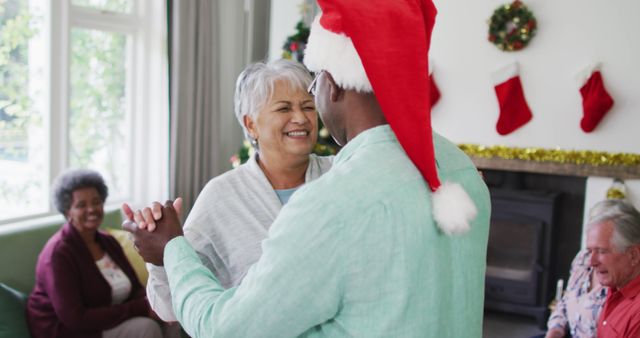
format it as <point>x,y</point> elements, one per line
<point>75,179</point>
<point>255,85</point>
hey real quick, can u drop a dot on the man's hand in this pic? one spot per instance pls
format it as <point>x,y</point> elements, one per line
<point>555,333</point>
<point>150,245</point>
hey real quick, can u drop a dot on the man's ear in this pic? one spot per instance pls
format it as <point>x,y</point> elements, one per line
<point>335,92</point>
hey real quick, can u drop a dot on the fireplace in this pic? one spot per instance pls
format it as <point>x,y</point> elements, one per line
<point>521,237</point>
<point>534,234</point>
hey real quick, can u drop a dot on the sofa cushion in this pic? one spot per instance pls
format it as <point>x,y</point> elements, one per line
<point>133,256</point>
<point>12,313</point>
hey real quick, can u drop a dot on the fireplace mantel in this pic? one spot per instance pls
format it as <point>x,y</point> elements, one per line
<point>554,168</point>
<point>580,163</point>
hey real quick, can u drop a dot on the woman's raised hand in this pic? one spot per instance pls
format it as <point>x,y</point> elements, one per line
<point>147,217</point>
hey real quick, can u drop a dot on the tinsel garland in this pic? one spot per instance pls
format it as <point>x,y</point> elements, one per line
<point>594,158</point>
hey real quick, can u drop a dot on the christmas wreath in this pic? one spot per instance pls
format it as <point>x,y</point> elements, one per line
<point>512,26</point>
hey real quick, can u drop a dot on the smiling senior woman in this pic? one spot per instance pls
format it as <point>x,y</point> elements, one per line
<point>234,211</point>
<point>85,287</point>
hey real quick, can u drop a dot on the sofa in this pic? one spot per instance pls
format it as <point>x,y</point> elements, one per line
<point>19,250</point>
<point>12,308</point>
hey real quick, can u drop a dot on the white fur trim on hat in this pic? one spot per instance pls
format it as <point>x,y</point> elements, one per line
<point>336,54</point>
<point>453,209</point>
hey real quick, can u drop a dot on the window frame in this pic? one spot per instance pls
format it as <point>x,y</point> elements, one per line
<point>147,116</point>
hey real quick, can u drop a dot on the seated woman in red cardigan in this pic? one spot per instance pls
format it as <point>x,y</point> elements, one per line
<point>85,287</point>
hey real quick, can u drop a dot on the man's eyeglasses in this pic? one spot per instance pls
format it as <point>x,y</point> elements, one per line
<point>312,86</point>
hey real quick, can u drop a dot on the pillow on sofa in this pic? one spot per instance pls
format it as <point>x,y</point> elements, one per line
<point>13,323</point>
<point>132,255</point>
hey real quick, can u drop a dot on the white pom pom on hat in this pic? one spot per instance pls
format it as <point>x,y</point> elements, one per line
<point>453,209</point>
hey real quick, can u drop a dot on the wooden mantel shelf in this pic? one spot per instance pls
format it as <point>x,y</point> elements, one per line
<point>554,168</point>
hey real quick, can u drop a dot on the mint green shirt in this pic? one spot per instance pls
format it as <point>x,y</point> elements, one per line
<point>355,253</point>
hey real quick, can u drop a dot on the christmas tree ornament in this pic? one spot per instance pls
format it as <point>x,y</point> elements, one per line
<point>617,191</point>
<point>512,26</point>
<point>596,101</point>
<point>294,46</point>
<point>514,110</point>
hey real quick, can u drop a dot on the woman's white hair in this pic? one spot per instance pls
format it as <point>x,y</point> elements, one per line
<point>625,218</point>
<point>255,86</point>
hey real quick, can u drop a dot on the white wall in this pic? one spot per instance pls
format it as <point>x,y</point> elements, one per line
<point>597,189</point>
<point>571,35</point>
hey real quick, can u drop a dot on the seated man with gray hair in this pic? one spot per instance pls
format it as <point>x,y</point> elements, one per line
<point>613,239</point>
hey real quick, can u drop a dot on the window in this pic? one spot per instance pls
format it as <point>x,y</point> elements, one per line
<point>23,74</point>
<point>98,75</point>
<point>123,6</point>
<point>82,85</point>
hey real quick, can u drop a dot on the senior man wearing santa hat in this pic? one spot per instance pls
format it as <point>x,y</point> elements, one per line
<point>391,242</point>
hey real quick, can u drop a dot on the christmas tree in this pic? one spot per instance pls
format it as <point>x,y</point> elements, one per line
<point>294,46</point>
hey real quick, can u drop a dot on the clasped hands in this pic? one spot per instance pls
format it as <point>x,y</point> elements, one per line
<point>153,227</point>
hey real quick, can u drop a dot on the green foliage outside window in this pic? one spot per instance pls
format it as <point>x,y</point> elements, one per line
<point>15,103</point>
<point>98,105</point>
<point>96,122</point>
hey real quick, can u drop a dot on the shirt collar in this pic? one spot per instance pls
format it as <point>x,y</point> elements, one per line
<point>373,135</point>
<point>631,289</point>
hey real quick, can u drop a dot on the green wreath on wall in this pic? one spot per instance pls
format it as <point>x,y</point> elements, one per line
<point>512,26</point>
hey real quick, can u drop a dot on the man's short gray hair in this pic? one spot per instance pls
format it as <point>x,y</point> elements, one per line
<point>255,86</point>
<point>625,218</point>
<point>72,180</point>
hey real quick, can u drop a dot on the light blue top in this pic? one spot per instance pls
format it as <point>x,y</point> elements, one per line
<point>285,194</point>
<point>353,254</point>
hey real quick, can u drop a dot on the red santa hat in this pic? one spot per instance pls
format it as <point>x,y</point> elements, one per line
<point>382,46</point>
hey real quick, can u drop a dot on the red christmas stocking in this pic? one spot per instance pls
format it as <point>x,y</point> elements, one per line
<point>596,101</point>
<point>434,91</point>
<point>514,111</point>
